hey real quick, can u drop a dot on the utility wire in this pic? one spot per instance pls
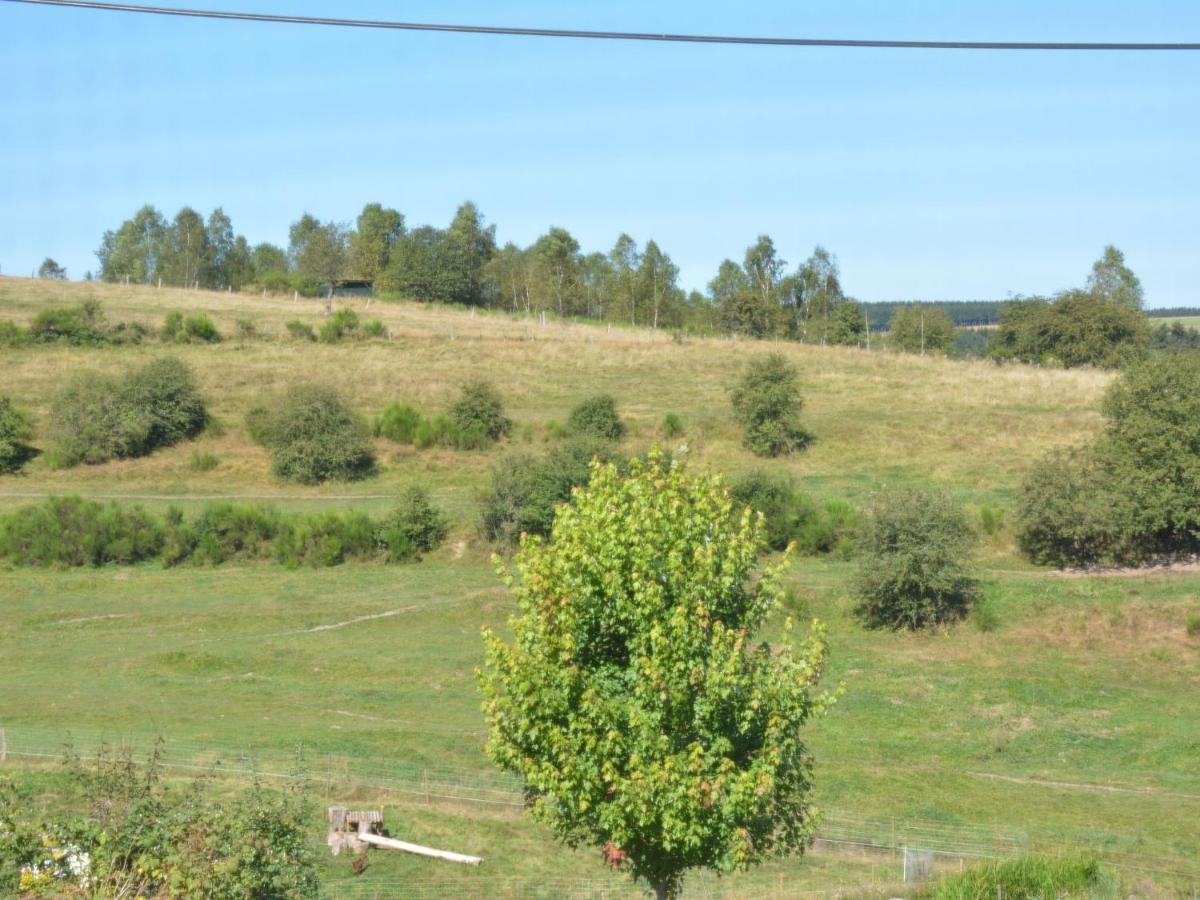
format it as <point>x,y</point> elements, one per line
<point>608,35</point>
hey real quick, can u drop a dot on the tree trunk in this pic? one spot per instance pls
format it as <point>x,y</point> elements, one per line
<point>660,892</point>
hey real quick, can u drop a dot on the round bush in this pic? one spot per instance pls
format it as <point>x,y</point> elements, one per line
<point>597,417</point>
<point>479,408</point>
<point>767,403</point>
<point>96,418</point>
<point>413,527</point>
<point>313,436</point>
<point>914,570</point>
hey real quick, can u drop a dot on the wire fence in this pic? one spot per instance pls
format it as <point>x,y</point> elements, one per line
<point>341,774</point>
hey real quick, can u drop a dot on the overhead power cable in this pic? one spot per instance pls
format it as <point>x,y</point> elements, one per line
<point>609,35</point>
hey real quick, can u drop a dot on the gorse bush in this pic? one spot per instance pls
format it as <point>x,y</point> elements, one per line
<point>597,417</point>
<point>1134,495</point>
<point>16,430</point>
<point>479,408</point>
<point>914,569</point>
<point>70,532</point>
<point>313,436</point>
<point>767,403</point>
<point>525,490</point>
<point>96,418</point>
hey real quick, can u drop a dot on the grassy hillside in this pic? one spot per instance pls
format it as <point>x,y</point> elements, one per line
<point>1073,721</point>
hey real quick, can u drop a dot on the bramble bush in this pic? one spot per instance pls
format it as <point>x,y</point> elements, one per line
<point>16,429</point>
<point>914,570</point>
<point>1134,494</point>
<point>597,417</point>
<point>313,436</point>
<point>767,403</point>
<point>96,417</point>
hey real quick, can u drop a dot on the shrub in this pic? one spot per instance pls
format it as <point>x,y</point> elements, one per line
<point>326,539</point>
<point>775,497</point>
<point>525,490</point>
<point>790,517</point>
<point>398,423</point>
<point>413,527</point>
<point>138,838</point>
<point>479,407</point>
<point>913,571</point>
<point>202,461</point>
<point>201,328</point>
<point>97,418</point>
<point>342,323</point>
<point>672,426</point>
<point>1193,624</point>
<point>1133,495</point>
<point>597,417</point>
<point>1028,876</point>
<point>172,328</point>
<point>444,431</point>
<point>301,331</point>
<point>16,428</point>
<point>12,335</point>
<point>232,531</point>
<point>767,403</point>
<point>80,325</point>
<point>374,328</point>
<point>69,531</point>
<point>1077,328</point>
<point>991,519</point>
<point>313,436</point>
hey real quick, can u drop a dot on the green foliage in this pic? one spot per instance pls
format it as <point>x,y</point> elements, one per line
<point>479,408</point>
<point>921,329</point>
<point>525,491</point>
<point>789,517</point>
<point>848,325</point>
<point>985,617</point>
<point>1062,878</point>
<point>69,531</point>
<point>82,325</point>
<point>16,429</point>
<point>12,335</point>
<point>1077,328</point>
<point>140,838</point>
<point>325,539</point>
<point>96,418</point>
<point>399,423</point>
<point>991,519</point>
<point>301,331</point>
<point>313,436</point>
<point>1173,338</point>
<point>224,532</point>
<point>413,527</point>
<point>1135,494</point>
<point>970,343</point>
<point>203,461</point>
<point>341,324</point>
<point>201,328</point>
<point>374,328</point>
<point>172,328</point>
<point>444,431</point>
<point>767,403</point>
<point>632,699</point>
<point>913,569</point>
<point>597,417</point>
<point>1192,625</point>
<point>672,426</point>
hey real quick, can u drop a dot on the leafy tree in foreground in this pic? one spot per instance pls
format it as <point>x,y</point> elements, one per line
<point>633,700</point>
<point>767,402</point>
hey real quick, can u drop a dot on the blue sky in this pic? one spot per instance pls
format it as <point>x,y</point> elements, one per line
<point>939,175</point>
